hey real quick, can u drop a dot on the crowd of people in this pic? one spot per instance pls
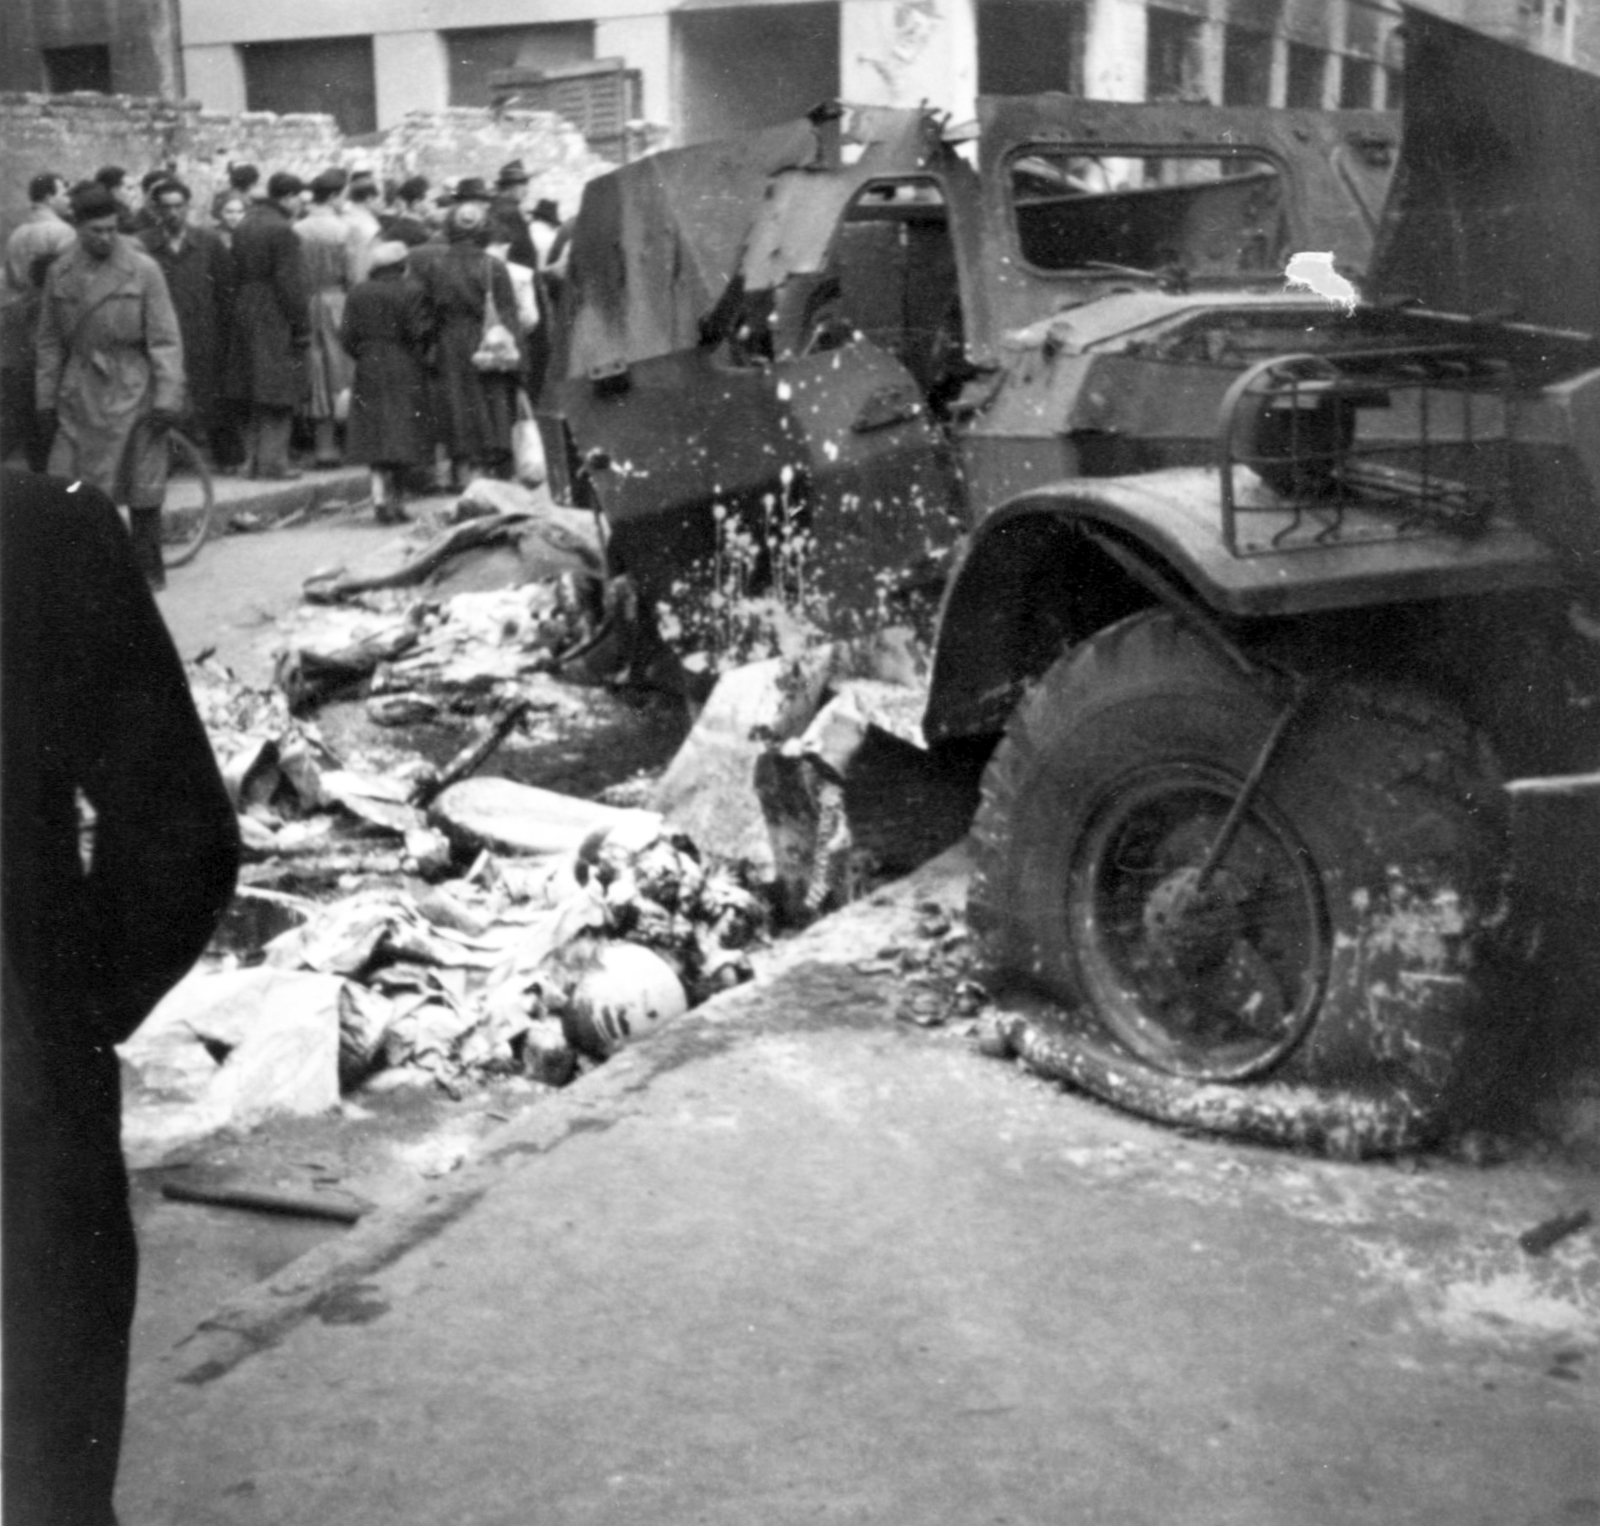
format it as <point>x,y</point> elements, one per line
<point>393,326</point>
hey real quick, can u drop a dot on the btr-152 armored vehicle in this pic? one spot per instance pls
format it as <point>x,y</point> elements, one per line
<point>1266,596</point>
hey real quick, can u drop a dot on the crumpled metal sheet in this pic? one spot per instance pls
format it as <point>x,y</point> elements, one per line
<point>1495,206</point>
<point>380,802</point>
<point>276,1032</point>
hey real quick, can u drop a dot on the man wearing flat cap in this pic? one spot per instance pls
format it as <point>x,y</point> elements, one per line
<point>272,324</point>
<point>109,373</point>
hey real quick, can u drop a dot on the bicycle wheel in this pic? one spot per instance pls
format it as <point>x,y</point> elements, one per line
<point>186,517</point>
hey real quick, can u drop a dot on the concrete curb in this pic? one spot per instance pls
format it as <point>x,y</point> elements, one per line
<point>272,502</point>
<point>264,1314</point>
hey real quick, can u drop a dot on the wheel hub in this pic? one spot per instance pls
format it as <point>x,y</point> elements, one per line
<point>1203,961</point>
<point>1193,926</point>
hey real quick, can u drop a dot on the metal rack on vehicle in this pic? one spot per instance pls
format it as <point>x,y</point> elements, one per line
<point>1364,445</point>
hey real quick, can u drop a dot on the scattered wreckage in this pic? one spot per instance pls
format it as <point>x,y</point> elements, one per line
<point>1264,597</point>
<point>390,924</point>
<point>405,921</point>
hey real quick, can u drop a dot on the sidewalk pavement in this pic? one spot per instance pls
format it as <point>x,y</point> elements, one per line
<point>789,1260</point>
<point>259,504</point>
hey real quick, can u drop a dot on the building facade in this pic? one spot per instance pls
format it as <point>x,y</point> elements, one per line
<point>125,47</point>
<point>708,68</point>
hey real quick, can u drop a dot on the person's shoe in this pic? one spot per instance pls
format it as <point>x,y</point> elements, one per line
<point>277,474</point>
<point>327,464</point>
<point>393,514</point>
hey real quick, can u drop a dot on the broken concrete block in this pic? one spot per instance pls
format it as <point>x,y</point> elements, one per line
<point>507,817</point>
<point>709,788</point>
<point>225,1050</point>
<point>364,1018</point>
<point>377,802</point>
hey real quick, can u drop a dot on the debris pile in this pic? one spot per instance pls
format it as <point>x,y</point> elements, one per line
<point>933,973</point>
<point>454,979</point>
<point>812,767</point>
<point>521,966</point>
<point>461,655</point>
<point>401,920</point>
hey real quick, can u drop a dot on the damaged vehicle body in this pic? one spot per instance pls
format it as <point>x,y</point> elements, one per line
<point>1261,598</point>
<point>806,338</point>
<point>1248,826</point>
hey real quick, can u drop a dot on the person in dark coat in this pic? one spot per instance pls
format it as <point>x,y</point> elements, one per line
<point>409,225</point>
<point>242,182</point>
<point>97,711</point>
<point>271,325</point>
<point>508,217</point>
<point>473,410</point>
<point>386,331</point>
<point>199,272</point>
<point>115,179</point>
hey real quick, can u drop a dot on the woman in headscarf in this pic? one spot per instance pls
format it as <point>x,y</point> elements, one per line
<point>466,288</point>
<point>386,332</point>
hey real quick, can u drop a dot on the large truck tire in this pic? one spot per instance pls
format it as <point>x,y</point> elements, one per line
<point>1337,942</point>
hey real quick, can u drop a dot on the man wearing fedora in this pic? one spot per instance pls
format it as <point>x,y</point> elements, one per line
<point>508,217</point>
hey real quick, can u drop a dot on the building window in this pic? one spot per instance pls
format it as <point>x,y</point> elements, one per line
<point>475,55</point>
<point>750,67</point>
<point>333,75</point>
<point>1211,214</point>
<point>81,68</point>
<point>1394,71</point>
<point>1174,69</point>
<point>1356,82</point>
<point>1308,74</point>
<point>1025,46</point>
<point>1246,68</point>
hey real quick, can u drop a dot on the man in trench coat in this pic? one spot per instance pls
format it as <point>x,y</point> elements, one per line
<point>324,236</point>
<point>109,377</point>
<point>95,926</point>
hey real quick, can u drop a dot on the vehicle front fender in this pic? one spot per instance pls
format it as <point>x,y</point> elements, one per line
<point>1032,581</point>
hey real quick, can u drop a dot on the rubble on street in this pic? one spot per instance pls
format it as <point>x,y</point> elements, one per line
<point>402,922</point>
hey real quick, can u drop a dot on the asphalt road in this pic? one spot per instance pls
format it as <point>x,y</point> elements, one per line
<point>790,1260</point>
<point>240,585</point>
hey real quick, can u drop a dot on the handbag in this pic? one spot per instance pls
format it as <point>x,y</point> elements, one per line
<point>527,446</point>
<point>497,348</point>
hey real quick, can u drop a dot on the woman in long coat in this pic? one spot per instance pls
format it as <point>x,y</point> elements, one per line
<point>474,410</point>
<point>386,331</point>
